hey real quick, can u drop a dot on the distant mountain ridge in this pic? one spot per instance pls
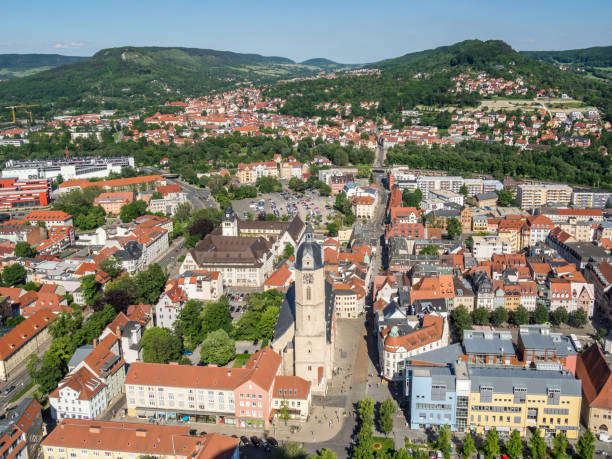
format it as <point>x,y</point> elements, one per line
<point>324,63</point>
<point>131,77</point>
<point>19,65</point>
<point>597,56</point>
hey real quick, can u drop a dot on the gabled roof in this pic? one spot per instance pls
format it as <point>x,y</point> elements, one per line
<point>596,375</point>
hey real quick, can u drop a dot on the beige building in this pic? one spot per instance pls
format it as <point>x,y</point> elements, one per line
<point>113,202</point>
<point>530,196</point>
<point>364,207</point>
<point>248,174</point>
<point>29,337</point>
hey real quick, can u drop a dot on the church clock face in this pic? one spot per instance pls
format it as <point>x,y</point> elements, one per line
<point>308,278</point>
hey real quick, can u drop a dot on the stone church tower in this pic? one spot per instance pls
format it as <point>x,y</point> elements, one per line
<point>312,339</point>
<point>229,223</point>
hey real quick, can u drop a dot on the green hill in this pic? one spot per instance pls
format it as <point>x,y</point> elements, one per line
<point>20,65</point>
<point>323,63</point>
<point>133,77</point>
<point>598,56</point>
<point>596,61</point>
<point>424,78</point>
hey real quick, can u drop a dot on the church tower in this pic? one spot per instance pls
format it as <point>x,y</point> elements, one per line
<point>229,223</point>
<point>312,344</point>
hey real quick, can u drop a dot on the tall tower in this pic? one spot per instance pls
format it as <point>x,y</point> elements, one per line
<point>311,346</point>
<point>229,223</point>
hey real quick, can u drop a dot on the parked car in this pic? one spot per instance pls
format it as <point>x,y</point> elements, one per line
<point>256,441</point>
<point>245,441</point>
<point>272,441</point>
<point>9,389</point>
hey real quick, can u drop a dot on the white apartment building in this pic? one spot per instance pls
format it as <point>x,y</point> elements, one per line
<point>484,247</point>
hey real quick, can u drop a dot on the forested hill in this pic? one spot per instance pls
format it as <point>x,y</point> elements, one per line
<point>323,63</point>
<point>19,65</point>
<point>598,56</point>
<point>133,77</point>
<point>424,78</point>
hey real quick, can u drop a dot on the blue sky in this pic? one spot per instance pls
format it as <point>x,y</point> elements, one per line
<point>345,31</point>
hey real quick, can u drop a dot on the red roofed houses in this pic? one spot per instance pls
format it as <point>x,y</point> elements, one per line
<point>397,343</point>
<point>29,337</point>
<point>198,284</point>
<point>50,218</point>
<point>249,173</point>
<point>84,438</point>
<point>242,396</point>
<point>21,433</point>
<point>93,383</point>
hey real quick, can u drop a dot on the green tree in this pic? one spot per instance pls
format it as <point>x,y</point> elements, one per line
<point>150,284</point>
<point>443,443</point>
<point>453,228</point>
<point>578,318</point>
<point>514,447</point>
<point>14,274</point>
<point>601,333</point>
<point>326,454</point>
<point>216,316</point>
<point>480,316</point>
<point>132,210</point>
<point>429,250</point>
<point>540,315</point>
<point>560,446</point>
<point>505,198</point>
<point>385,415</point>
<point>499,316</point>
<point>65,324</point>
<point>412,198</point>
<point>284,411</point>
<point>183,211</point>
<point>111,266</point>
<point>289,250</point>
<point>24,250</point>
<point>559,316</point>
<point>218,348</point>
<point>469,447</point>
<point>463,190</point>
<point>586,445</point>
<point>90,288</point>
<point>461,320</point>
<point>520,316</point>
<point>537,445</point>
<point>491,443</point>
<point>188,324</point>
<point>366,409</point>
<point>268,185</point>
<point>160,345</point>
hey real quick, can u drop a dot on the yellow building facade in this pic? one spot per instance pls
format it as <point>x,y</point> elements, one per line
<point>517,399</point>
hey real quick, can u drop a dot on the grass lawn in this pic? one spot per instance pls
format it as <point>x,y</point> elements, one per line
<point>22,392</point>
<point>386,444</point>
<point>241,360</point>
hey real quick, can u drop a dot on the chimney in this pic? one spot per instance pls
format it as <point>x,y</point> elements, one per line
<point>119,331</point>
<point>95,343</point>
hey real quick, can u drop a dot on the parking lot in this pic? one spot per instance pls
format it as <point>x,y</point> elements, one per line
<point>238,304</point>
<point>291,203</point>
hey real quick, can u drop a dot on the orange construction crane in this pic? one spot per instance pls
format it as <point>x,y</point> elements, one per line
<point>13,107</point>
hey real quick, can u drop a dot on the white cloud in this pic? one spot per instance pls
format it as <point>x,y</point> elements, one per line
<point>69,45</point>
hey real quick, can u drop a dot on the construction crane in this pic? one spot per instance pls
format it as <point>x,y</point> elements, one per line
<point>13,107</point>
<point>29,113</point>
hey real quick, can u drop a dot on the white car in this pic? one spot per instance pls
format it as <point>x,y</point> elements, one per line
<point>605,437</point>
